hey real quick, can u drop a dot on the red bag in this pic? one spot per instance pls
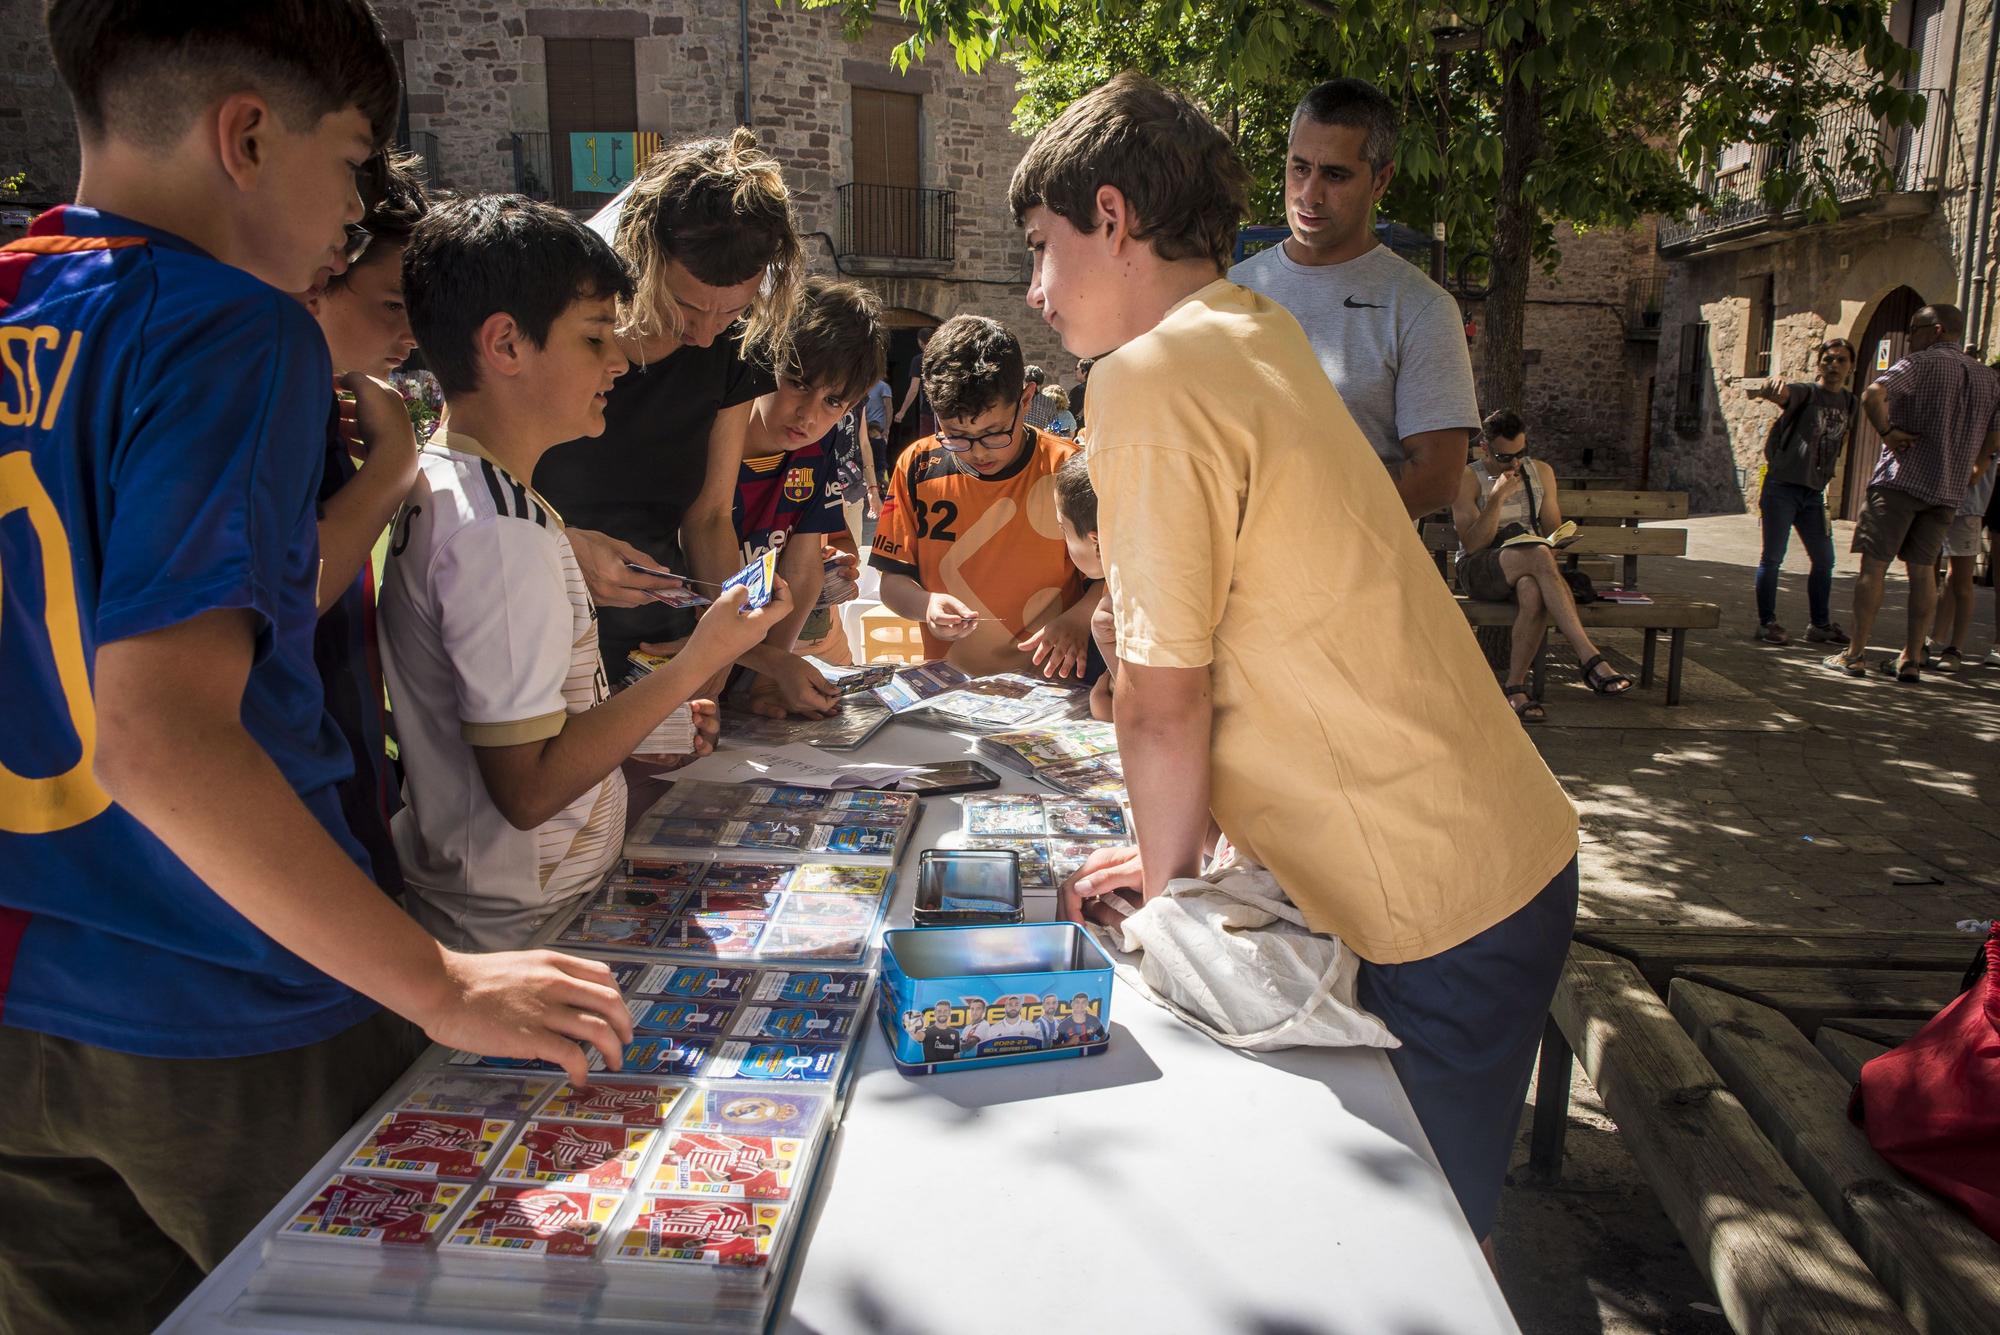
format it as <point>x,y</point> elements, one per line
<point>1932,1106</point>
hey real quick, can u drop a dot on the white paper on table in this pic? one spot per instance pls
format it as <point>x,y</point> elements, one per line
<point>795,763</point>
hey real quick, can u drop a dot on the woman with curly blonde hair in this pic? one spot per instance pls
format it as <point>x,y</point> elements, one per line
<point>708,229</point>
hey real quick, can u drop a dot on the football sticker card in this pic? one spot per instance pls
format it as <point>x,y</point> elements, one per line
<point>733,903</point>
<point>866,841</point>
<point>610,929</point>
<point>756,1168</point>
<point>681,980</point>
<point>914,685</point>
<point>781,834</point>
<point>1034,857</point>
<point>674,1228</point>
<point>595,1156</point>
<point>523,1220</point>
<point>678,1017</point>
<point>778,1063</point>
<point>792,1113</point>
<point>1086,820</point>
<point>512,1097</point>
<point>898,805</point>
<point>815,943</point>
<point>746,876</point>
<point>1005,815</point>
<point>622,897</point>
<point>646,1103</point>
<point>1067,856</point>
<point>759,580</point>
<point>702,935</point>
<point>680,1055</point>
<point>790,796</point>
<point>830,878</point>
<point>377,1211</point>
<point>819,1024</point>
<point>828,911</point>
<point>428,1144</point>
<point>661,871</point>
<point>820,988</point>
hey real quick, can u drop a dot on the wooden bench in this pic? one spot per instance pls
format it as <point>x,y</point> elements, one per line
<point>1674,615</point>
<point>1698,1042</point>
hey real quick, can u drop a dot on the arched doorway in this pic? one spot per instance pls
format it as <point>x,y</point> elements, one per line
<point>1879,348</point>
<point>904,323</point>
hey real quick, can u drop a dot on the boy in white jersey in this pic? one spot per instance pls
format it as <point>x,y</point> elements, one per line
<point>510,742</point>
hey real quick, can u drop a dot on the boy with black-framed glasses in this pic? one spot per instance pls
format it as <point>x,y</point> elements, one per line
<point>968,543</point>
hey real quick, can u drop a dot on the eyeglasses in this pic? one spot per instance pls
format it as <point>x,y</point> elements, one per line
<point>358,238</point>
<point>1510,459</point>
<point>991,440</point>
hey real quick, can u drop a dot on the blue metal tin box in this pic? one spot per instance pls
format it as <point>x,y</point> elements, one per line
<point>958,998</point>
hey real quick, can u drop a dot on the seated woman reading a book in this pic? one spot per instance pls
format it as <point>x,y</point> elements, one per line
<point>1509,526</point>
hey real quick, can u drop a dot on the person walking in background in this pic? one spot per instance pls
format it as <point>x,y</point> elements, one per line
<point>1962,544</point>
<point>1390,339</point>
<point>1056,418</point>
<point>914,397</point>
<point>1039,413</point>
<point>1804,447</point>
<point>1938,412</point>
<point>1076,390</point>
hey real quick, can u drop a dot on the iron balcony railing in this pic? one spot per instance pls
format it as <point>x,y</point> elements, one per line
<point>1906,160</point>
<point>424,145</point>
<point>897,222</point>
<point>534,175</point>
<point>1643,302</point>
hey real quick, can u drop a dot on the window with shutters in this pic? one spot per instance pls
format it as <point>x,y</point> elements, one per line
<point>1691,380</point>
<point>887,212</point>
<point>1762,330</point>
<point>593,109</point>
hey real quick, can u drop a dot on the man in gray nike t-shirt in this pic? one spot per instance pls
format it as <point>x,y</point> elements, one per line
<point>1391,340</point>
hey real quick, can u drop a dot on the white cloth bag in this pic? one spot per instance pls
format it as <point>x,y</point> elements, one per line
<point>1232,957</point>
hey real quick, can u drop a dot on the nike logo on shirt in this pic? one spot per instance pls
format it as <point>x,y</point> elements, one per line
<point>1352,304</point>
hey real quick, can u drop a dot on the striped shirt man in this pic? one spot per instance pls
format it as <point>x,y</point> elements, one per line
<point>489,639</point>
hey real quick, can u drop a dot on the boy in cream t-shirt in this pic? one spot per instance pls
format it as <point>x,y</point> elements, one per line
<point>1270,599</point>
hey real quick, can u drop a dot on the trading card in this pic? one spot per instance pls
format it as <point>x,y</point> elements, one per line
<point>1093,776</point>
<point>678,596</point>
<point>763,834</point>
<point>808,1063</point>
<point>746,876</point>
<point>829,878</point>
<point>757,1168</point>
<point>396,1212</point>
<point>657,1054</point>
<point>854,840</point>
<point>845,944</point>
<point>828,988</point>
<point>610,929</point>
<point>860,718</point>
<point>1005,815</point>
<point>536,1221</point>
<point>790,796</point>
<point>701,801</point>
<point>680,980</point>
<point>675,1228</point>
<point>733,903</point>
<point>914,685</point>
<point>593,1156</point>
<point>678,1017</point>
<point>498,1063</point>
<point>643,1103</point>
<point>827,911</point>
<point>623,897</point>
<point>1086,820</point>
<point>689,831</point>
<point>660,871</point>
<point>1034,857</point>
<point>1067,856</point>
<point>794,1113</point>
<point>759,580</point>
<point>510,1096</point>
<point>820,1024</point>
<point>713,935</point>
<point>869,799</point>
<point>883,819</point>
<point>428,1144</point>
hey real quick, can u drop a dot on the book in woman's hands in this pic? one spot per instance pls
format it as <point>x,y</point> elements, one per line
<point>1564,535</point>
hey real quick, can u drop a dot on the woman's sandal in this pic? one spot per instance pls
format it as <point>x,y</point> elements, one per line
<point>1529,712</point>
<point>1616,683</point>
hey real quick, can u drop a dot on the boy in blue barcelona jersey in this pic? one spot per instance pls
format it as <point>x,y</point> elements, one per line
<point>787,494</point>
<point>192,955</point>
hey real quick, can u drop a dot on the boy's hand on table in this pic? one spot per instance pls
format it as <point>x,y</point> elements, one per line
<point>794,689</point>
<point>1114,870</point>
<point>1060,648</point>
<point>530,1004</point>
<point>948,618</point>
<point>611,582</point>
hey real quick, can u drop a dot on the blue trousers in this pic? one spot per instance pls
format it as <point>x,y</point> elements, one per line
<point>1787,506</point>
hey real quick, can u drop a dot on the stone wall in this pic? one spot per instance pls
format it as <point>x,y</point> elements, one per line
<point>37,131</point>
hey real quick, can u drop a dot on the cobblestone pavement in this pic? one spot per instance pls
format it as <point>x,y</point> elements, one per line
<point>1873,808</point>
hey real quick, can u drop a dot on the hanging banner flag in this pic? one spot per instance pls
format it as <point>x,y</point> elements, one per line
<point>601,161</point>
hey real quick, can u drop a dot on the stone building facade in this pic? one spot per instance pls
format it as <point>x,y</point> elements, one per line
<point>476,74</point>
<point>1751,294</point>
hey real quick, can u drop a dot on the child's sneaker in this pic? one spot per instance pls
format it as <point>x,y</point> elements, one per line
<point>1830,633</point>
<point>1948,659</point>
<point>1772,633</point>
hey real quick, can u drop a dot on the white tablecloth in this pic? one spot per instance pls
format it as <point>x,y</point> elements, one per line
<point>1169,1185</point>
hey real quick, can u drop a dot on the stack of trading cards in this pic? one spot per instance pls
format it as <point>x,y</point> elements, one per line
<point>1074,756</point>
<point>787,822</point>
<point>1007,700</point>
<point>860,717</point>
<point>915,686</point>
<point>1053,836</point>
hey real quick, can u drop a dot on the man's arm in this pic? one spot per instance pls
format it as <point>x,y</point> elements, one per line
<point>361,509</point>
<point>1875,402</point>
<point>909,396</point>
<point>1551,516</point>
<point>1476,526</point>
<point>1163,723</point>
<point>172,749</point>
<point>708,530</point>
<point>1428,478</point>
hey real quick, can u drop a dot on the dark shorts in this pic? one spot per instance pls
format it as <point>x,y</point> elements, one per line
<point>1896,526</point>
<point>1480,576</point>
<point>1470,1020</point>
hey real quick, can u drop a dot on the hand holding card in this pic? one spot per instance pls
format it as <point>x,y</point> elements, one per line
<point>759,580</point>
